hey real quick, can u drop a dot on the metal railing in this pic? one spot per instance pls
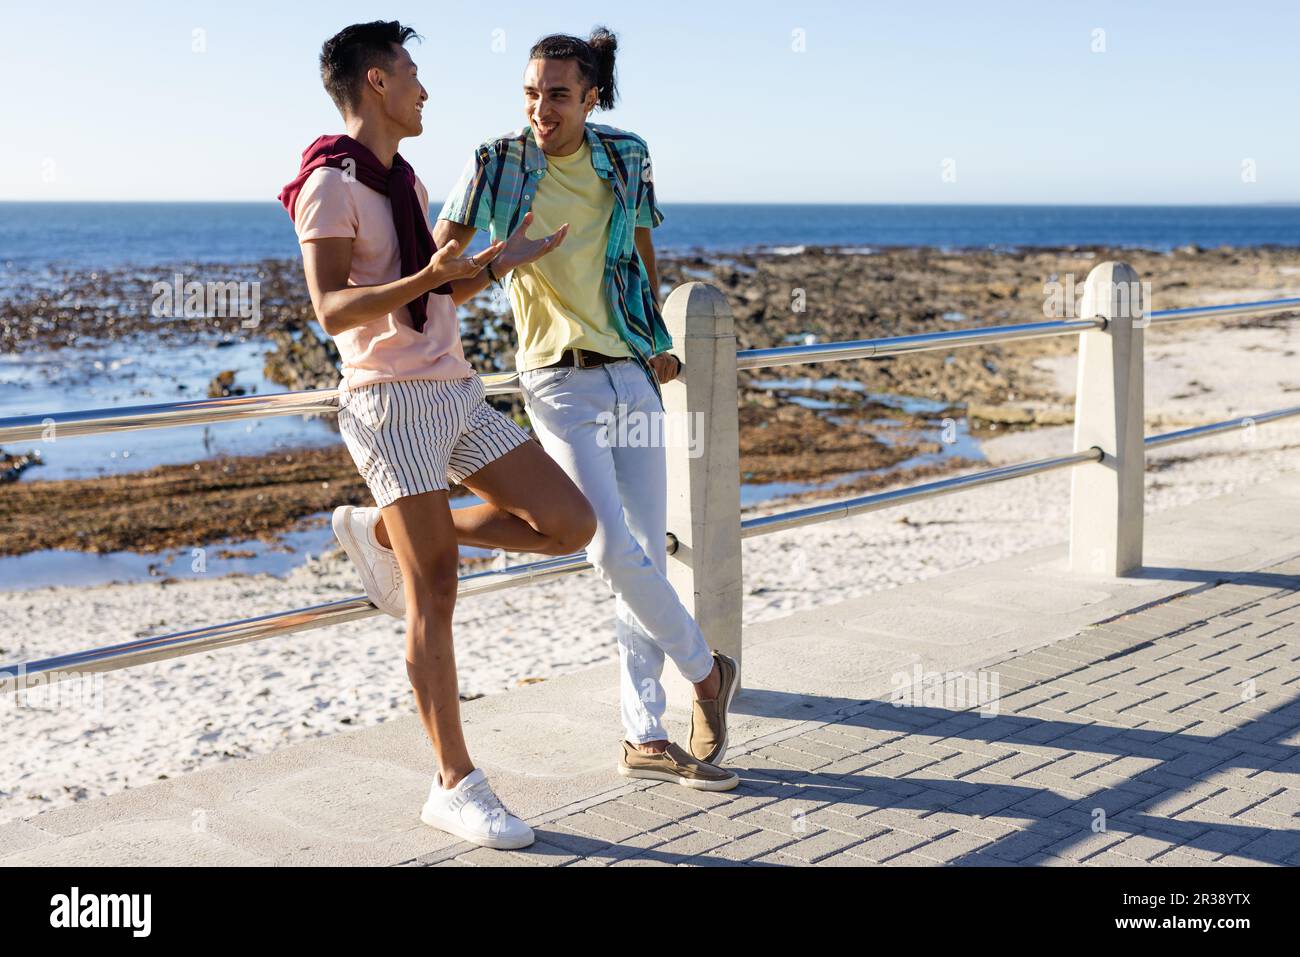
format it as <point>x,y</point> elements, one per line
<point>830,511</point>
<point>1215,428</point>
<point>193,641</point>
<point>33,428</point>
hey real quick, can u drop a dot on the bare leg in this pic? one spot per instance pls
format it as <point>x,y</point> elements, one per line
<point>529,487</point>
<point>424,540</point>
<point>530,505</point>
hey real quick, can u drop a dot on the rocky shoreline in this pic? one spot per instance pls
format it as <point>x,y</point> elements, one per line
<point>793,431</point>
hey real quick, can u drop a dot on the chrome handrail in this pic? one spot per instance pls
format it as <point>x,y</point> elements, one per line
<point>829,511</point>
<point>1214,428</point>
<point>32,428</point>
<point>1227,309</point>
<point>62,425</point>
<point>899,345</point>
<point>210,638</point>
<point>213,637</point>
<point>198,640</point>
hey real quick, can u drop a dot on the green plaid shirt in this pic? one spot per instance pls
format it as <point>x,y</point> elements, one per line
<point>497,189</point>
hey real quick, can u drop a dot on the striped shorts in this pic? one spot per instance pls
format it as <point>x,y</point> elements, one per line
<point>421,435</point>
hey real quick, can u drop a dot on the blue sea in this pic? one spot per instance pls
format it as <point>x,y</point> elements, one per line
<point>97,235</point>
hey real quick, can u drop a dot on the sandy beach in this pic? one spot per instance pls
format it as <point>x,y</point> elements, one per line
<point>165,719</point>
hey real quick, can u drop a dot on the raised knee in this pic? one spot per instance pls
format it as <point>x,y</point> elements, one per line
<point>584,528</point>
<point>574,532</point>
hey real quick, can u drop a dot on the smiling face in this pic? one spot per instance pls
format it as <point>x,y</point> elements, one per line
<point>402,95</point>
<point>557,101</point>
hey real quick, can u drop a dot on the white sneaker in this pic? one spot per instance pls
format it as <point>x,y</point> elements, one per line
<point>473,813</point>
<point>377,566</point>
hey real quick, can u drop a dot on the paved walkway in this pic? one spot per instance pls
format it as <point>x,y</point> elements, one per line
<point>1167,736</point>
<point>1151,718</point>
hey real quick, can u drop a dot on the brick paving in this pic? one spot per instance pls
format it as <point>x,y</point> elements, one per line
<point>1167,736</point>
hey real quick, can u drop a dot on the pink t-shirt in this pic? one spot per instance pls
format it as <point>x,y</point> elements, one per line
<point>387,348</point>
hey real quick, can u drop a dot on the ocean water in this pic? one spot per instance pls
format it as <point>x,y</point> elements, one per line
<point>35,236</point>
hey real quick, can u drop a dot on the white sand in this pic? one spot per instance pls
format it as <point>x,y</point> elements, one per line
<point>171,717</point>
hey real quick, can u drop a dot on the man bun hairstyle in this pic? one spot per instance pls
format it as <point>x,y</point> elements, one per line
<point>346,57</point>
<point>594,56</point>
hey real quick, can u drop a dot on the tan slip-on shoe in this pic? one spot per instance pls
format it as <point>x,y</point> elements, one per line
<point>709,718</point>
<point>675,765</point>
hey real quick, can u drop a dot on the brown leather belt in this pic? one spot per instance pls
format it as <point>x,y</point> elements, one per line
<point>583,359</point>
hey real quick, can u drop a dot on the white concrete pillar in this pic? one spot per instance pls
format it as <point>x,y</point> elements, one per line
<point>704,468</point>
<point>1106,498</point>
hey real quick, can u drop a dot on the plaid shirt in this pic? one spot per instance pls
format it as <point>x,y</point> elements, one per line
<point>497,189</point>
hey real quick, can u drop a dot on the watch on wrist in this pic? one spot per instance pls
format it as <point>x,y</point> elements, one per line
<point>493,276</point>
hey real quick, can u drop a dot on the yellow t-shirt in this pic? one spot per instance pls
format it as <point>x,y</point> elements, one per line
<point>559,300</point>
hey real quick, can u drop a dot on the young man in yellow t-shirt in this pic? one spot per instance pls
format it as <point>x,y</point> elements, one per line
<point>592,353</point>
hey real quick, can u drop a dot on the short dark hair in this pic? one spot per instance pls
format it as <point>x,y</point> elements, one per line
<point>346,56</point>
<point>594,56</point>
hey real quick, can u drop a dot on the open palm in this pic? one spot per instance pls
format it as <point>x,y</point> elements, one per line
<point>520,250</point>
<point>447,265</point>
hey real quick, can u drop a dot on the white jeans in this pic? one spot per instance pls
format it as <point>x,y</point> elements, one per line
<point>580,416</point>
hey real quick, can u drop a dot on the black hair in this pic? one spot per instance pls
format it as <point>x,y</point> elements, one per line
<point>346,56</point>
<point>595,58</point>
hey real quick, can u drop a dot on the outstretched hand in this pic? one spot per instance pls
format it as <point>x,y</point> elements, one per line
<point>520,250</point>
<point>446,265</point>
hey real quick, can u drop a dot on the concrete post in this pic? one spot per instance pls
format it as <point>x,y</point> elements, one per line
<point>704,467</point>
<point>1106,498</point>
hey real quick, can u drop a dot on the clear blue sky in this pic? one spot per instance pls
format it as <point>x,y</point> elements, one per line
<point>109,101</point>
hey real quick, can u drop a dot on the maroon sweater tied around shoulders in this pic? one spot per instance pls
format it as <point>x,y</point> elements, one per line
<point>414,241</point>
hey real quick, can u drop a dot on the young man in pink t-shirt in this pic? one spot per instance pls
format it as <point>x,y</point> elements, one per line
<point>411,409</point>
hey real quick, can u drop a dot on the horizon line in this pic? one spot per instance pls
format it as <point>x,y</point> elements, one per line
<point>1083,205</point>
